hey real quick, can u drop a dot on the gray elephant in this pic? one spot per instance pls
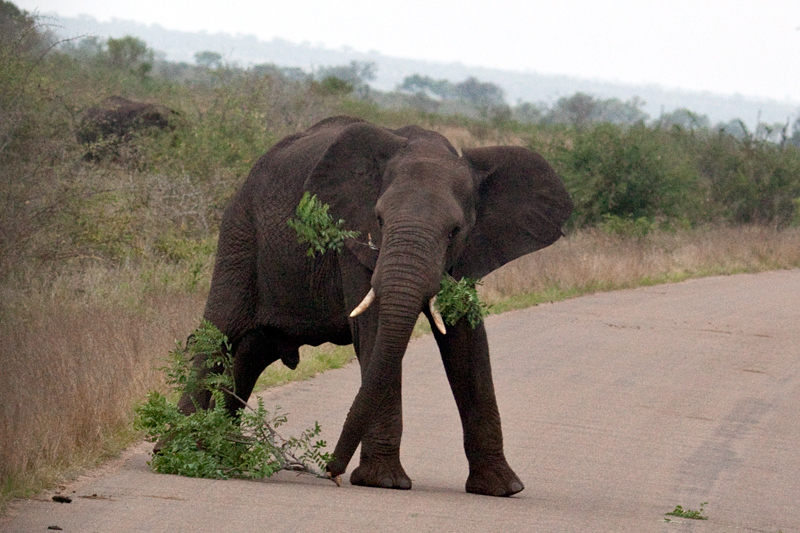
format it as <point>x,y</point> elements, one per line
<point>421,211</point>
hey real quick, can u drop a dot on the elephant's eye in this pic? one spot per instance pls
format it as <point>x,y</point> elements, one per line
<point>454,232</point>
<point>380,221</point>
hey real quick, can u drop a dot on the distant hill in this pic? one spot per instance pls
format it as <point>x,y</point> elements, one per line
<point>246,50</point>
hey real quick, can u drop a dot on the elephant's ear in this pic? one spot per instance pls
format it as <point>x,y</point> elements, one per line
<point>522,205</point>
<point>348,177</point>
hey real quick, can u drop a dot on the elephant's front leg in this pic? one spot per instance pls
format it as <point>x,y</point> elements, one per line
<point>465,353</point>
<point>379,464</point>
<point>380,448</point>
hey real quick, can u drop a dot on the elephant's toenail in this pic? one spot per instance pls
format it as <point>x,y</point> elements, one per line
<point>516,487</point>
<point>404,484</point>
<point>500,491</point>
<point>386,483</point>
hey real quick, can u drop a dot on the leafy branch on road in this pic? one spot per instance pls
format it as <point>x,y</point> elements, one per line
<point>211,443</point>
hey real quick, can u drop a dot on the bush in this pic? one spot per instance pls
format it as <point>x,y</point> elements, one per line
<point>625,172</point>
<point>751,181</point>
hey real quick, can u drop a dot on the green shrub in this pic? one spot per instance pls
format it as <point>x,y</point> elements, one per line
<point>630,173</point>
<point>750,181</point>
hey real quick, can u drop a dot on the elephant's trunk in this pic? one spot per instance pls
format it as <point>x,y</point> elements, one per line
<point>407,275</point>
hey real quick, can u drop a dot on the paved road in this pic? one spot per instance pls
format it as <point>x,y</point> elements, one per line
<point>616,408</point>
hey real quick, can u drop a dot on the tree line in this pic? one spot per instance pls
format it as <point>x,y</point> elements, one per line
<point>470,97</point>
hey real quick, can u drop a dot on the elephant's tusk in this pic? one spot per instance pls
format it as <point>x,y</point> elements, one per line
<point>437,316</point>
<point>366,302</point>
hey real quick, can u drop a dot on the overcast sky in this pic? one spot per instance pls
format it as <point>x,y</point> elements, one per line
<point>724,46</point>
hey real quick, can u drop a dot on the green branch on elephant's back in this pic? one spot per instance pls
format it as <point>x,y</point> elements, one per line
<point>315,226</point>
<point>458,299</point>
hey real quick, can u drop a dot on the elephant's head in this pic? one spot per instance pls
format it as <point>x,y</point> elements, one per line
<point>428,211</point>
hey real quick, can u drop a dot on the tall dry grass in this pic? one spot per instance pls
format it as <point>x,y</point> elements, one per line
<point>593,260</point>
<point>72,371</point>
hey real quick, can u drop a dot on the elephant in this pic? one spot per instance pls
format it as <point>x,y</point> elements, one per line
<point>421,210</point>
<point>116,119</point>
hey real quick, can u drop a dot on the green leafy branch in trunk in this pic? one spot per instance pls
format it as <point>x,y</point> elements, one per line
<point>315,226</point>
<point>210,442</point>
<point>458,299</point>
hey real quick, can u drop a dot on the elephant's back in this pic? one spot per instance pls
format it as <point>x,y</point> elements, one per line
<point>291,160</point>
<point>258,215</point>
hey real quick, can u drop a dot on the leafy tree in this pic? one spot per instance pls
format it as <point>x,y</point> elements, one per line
<point>130,53</point>
<point>616,111</point>
<point>355,75</point>
<point>416,83</point>
<point>577,110</point>
<point>582,109</point>
<point>528,112</point>
<point>751,180</point>
<point>486,98</point>
<point>480,94</point>
<point>127,51</point>
<point>775,133</point>
<point>86,48</point>
<point>208,59</point>
<point>683,118</point>
<point>21,30</point>
<point>629,173</point>
<point>736,128</point>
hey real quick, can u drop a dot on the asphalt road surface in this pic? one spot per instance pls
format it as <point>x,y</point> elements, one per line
<point>616,408</point>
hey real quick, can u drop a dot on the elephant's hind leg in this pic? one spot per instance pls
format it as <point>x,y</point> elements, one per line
<point>258,349</point>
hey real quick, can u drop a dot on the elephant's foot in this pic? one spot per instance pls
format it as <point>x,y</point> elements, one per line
<point>387,475</point>
<point>493,480</point>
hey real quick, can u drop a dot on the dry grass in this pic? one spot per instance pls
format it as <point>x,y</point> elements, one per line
<point>592,260</point>
<point>71,373</point>
<point>477,136</point>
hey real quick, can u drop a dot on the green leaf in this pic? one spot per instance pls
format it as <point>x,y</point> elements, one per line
<point>459,299</point>
<point>315,226</point>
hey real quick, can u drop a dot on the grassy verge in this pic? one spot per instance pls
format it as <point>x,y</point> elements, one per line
<point>594,261</point>
<point>72,372</point>
<point>78,356</point>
